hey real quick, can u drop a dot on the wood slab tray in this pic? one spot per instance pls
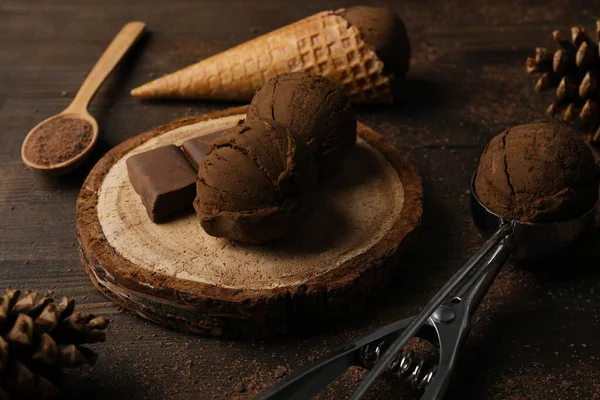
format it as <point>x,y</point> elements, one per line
<point>365,214</point>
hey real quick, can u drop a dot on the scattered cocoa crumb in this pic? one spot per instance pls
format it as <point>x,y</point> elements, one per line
<point>280,371</point>
<point>239,387</point>
<point>565,384</point>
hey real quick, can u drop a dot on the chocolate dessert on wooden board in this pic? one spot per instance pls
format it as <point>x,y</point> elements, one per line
<point>316,108</point>
<point>165,177</point>
<point>197,148</point>
<point>254,183</point>
<point>165,180</point>
<point>177,275</point>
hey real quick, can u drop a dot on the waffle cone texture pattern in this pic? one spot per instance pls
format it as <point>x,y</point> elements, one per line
<point>324,44</point>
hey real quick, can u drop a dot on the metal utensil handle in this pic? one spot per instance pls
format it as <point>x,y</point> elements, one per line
<point>304,383</point>
<point>453,332</point>
<point>475,289</point>
<point>363,388</point>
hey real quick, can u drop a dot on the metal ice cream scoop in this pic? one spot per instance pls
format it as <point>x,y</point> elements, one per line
<point>445,320</point>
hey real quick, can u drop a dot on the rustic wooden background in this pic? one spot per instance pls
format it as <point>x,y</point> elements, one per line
<point>537,335</point>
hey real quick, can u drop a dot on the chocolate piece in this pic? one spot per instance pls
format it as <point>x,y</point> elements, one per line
<point>197,148</point>
<point>382,29</point>
<point>252,183</point>
<point>164,179</point>
<point>537,173</point>
<point>314,107</point>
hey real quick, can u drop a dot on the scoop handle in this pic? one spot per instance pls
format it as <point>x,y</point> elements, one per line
<point>452,320</point>
<point>396,347</point>
<point>119,46</point>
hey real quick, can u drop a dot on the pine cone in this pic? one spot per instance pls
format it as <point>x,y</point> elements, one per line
<point>38,339</point>
<point>573,70</point>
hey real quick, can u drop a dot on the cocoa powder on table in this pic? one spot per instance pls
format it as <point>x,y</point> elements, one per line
<point>58,140</point>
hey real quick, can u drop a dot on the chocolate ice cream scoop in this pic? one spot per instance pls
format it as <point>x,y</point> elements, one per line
<point>252,183</point>
<point>383,30</point>
<point>311,105</point>
<point>537,173</point>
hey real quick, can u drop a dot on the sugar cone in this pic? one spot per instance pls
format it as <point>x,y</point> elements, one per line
<point>324,43</point>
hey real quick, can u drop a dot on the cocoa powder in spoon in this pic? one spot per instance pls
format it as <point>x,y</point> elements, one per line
<point>58,140</point>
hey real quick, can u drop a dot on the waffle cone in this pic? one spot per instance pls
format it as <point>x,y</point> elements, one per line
<point>324,43</point>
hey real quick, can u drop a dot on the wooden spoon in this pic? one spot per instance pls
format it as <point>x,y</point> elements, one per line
<point>56,157</point>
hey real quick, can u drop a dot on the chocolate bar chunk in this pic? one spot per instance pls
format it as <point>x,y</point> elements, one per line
<point>165,180</point>
<point>197,148</point>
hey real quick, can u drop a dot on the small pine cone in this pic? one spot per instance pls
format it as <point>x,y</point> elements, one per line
<point>573,71</point>
<point>40,338</point>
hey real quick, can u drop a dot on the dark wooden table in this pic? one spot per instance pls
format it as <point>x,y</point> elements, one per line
<point>536,336</point>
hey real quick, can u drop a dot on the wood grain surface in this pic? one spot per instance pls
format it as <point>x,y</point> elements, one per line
<point>536,335</point>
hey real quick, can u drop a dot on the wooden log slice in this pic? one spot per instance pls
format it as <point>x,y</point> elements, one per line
<point>364,215</point>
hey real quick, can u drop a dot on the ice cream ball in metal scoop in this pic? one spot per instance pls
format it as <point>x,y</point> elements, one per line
<point>543,179</point>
